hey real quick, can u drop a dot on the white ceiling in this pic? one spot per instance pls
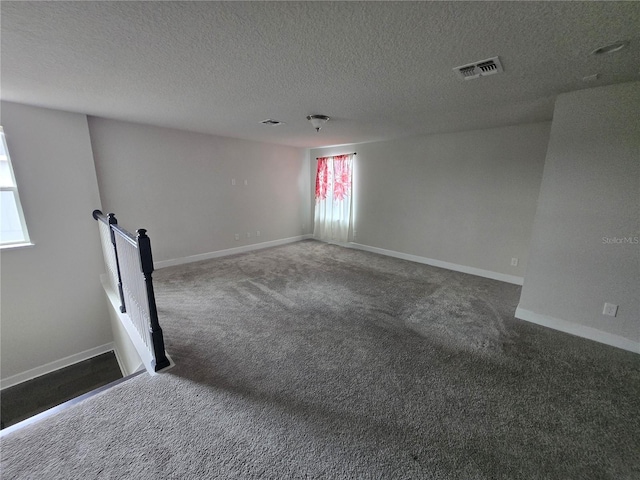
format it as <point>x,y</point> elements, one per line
<point>380,70</point>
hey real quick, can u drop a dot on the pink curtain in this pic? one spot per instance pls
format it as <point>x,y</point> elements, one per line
<point>333,198</point>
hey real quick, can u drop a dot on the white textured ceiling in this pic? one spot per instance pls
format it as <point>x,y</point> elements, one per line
<point>381,70</point>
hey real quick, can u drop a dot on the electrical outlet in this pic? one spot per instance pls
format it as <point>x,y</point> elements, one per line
<point>514,262</point>
<point>233,181</point>
<point>237,236</point>
<point>248,234</point>
<point>610,309</point>
<point>258,233</point>
<point>355,234</point>
<point>246,182</point>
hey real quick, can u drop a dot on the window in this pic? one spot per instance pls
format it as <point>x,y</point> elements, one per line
<point>13,229</point>
<point>332,218</point>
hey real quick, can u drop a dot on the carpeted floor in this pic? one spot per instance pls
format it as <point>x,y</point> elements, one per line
<point>315,361</point>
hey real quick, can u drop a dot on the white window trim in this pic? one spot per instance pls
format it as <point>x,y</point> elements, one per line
<point>27,240</point>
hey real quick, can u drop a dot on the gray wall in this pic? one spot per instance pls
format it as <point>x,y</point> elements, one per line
<point>53,305</point>
<point>178,185</point>
<point>466,198</point>
<point>590,194</point>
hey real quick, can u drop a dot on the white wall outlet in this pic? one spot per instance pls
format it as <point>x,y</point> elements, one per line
<point>355,234</point>
<point>610,309</point>
<point>248,234</point>
<point>233,181</point>
<point>514,262</point>
<point>237,236</point>
<point>258,233</point>
<point>246,182</point>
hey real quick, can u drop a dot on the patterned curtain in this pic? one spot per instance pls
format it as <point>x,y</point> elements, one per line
<point>333,198</point>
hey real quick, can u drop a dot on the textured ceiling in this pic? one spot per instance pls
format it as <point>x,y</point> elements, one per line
<point>380,69</point>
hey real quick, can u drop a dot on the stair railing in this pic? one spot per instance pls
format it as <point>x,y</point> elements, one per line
<point>129,266</point>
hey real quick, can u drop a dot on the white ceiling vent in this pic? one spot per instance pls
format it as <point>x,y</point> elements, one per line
<point>480,69</point>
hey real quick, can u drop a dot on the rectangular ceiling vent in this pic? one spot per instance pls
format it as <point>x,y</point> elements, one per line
<point>480,69</point>
<point>271,122</point>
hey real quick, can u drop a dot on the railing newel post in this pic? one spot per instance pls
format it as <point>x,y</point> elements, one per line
<point>146,264</point>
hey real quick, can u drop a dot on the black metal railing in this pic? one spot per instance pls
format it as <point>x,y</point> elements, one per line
<point>129,269</point>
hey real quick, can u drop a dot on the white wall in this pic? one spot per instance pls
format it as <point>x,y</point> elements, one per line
<point>466,198</point>
<point>53,305</point>
<point>590,193</point>
<point>177,185</point>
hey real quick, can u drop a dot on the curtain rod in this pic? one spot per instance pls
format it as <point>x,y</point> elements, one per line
<point>354,153</point>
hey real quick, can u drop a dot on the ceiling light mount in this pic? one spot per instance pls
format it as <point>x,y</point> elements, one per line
<point>611,48</point>
<point>317,121</point>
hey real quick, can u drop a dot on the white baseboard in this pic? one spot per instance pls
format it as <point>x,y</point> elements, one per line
<point>503,277</point>
<point>578,330</point>
<point>229,251</point>
<point>56,365</point>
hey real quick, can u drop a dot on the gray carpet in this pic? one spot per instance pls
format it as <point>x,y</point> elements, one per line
<point>315,361</point>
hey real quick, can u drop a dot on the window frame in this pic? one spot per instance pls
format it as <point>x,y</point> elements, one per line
<point>26,241</point>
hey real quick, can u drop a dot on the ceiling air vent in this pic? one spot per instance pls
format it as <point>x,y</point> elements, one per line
<point>271,122</point>
<point>480,69</point>
<point>468,71</point>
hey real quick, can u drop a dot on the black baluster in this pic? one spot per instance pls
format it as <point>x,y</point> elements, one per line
<point>111,218</point>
